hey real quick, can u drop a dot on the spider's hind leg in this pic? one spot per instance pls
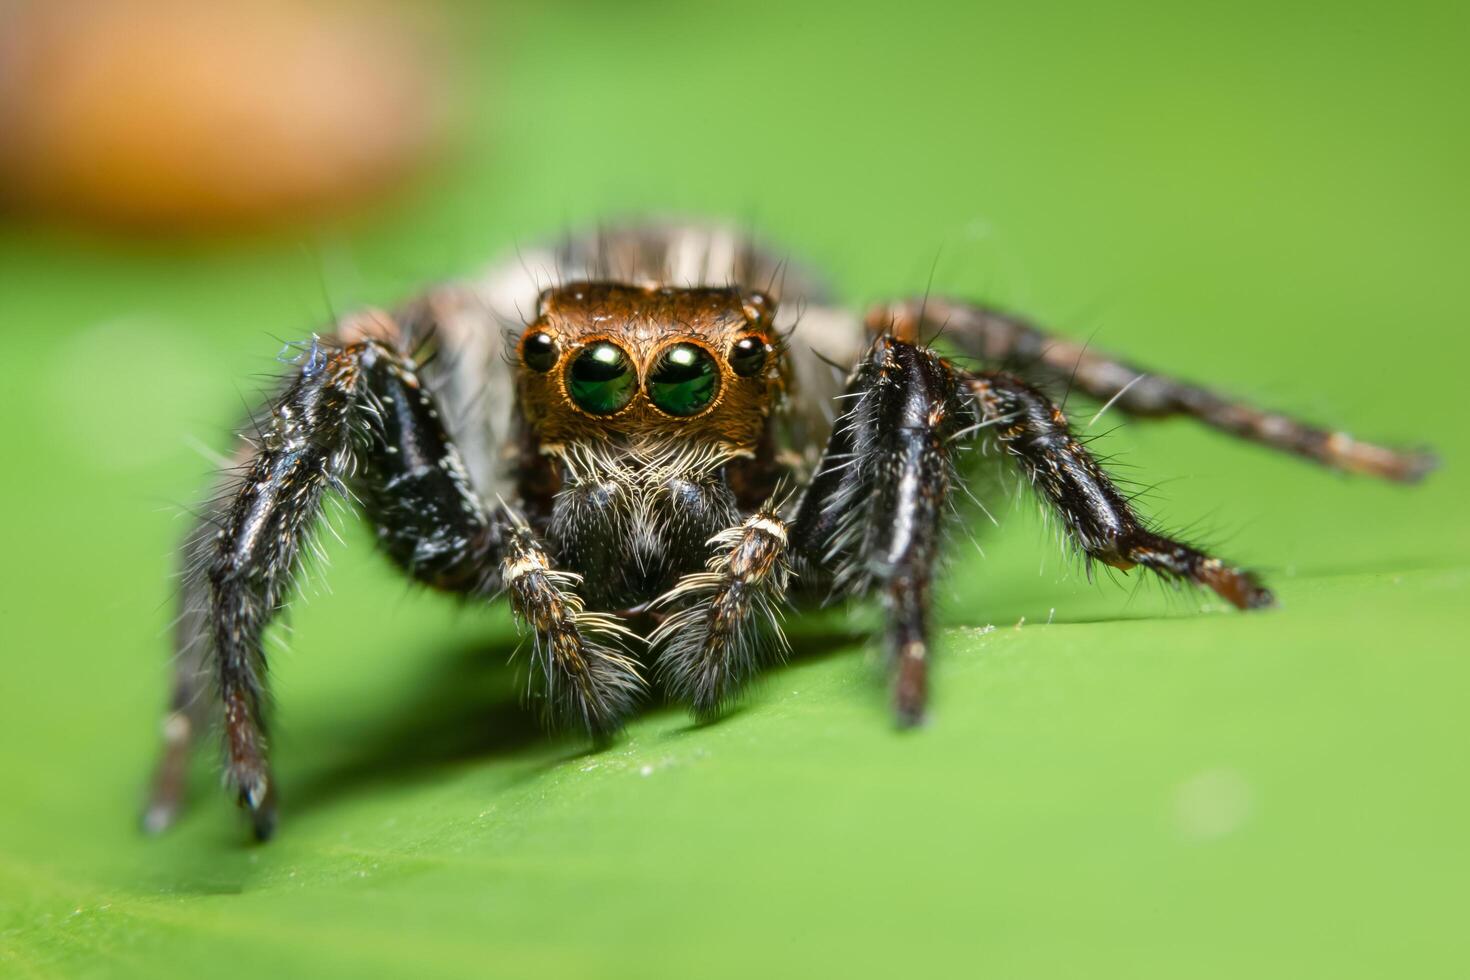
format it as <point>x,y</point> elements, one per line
<point>1004,340</point>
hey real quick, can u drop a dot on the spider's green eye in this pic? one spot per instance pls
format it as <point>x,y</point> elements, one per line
<point>684,380</point>
<point>538,351</point>
<point>601,379</point>
<point>748,356</point>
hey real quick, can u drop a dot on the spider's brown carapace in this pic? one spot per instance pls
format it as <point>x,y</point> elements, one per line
<point>641,440</point>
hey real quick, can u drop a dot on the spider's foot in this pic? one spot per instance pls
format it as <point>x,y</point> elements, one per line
<point>256,794</point>
<point>1240,588</point>
<point>166,799</point>
<point>911,685</point>
<point>259,798</point>
<point>1342,451</point>
<point>161,814</point>
<point>263,823</point>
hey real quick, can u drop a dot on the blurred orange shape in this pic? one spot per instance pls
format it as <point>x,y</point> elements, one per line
<point>166,114</point>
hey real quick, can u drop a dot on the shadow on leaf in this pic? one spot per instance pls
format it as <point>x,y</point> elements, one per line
<point>471,709</point>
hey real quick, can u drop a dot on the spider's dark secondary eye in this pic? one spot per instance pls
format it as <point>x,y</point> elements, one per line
<point>601,379</point>
<point>748,356</point>
<point>538,351</point>
<point>684,381</point>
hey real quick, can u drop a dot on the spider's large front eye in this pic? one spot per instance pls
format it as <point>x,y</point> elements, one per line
<point>601,379</point>
<point>684,380</point>
<point>538,351</point>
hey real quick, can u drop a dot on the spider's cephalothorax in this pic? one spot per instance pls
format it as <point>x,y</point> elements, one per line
<point>645,401</point>
<point>611,464</point>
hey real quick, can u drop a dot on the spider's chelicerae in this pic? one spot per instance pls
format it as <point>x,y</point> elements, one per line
<point>605,433</point>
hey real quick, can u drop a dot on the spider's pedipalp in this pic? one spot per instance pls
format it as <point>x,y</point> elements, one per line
<point>726,620</point>
<point>589,676</point>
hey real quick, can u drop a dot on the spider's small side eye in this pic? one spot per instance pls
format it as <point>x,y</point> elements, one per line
<point>748,356</point>
<point>684,380</point>
<point>601,379</point>
<point>538,351</point>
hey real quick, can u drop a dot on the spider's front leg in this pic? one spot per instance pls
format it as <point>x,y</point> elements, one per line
<point>727,620</point>
<point>356,419</point>
<point>431,523</point>
<point>243,559</point>
<point>355,413</point>
<point>873,511</point>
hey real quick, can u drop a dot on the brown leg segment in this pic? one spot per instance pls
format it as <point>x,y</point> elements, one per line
<point>1005,340</point>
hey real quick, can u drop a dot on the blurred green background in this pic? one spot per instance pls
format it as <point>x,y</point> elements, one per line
<point>1132,783</point>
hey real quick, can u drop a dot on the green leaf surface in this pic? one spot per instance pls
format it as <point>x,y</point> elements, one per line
<point>1116,780</point>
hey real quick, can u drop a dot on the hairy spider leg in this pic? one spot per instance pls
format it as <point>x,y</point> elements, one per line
<point>249,553</point>
<point>244,557</point>
<point>431,523</point>
<point>192,705</point>
<point>590,679</point>
<point>412,486</point>
<point>355,419</point>
<point>872,513</point>
<point>1004,340</point>
<point>1035,434</point>
<point>727,621</point>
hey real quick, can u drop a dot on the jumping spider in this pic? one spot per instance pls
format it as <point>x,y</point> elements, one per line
<point>614,467</point>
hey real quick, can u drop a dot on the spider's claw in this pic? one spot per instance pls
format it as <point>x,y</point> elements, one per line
<point>160,815</point>
<point>908,717</point>
<point>1240,589</point>
<point>259,797</point>
<point>263,822</point>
